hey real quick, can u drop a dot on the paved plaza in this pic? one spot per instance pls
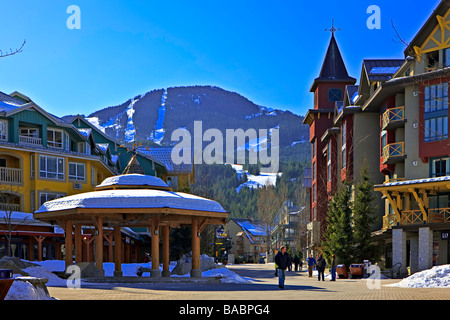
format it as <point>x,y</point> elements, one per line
<point>263,287</point>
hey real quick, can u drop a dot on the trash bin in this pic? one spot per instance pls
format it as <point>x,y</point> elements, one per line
<point>341,271</point>
<point>357,270</point>
<point>6,282</point>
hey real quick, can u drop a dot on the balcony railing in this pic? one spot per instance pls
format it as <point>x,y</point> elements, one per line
<point>408,217</point>
<point>389,221</point>
<point>393,118</point>
<point>9,207</point>
<point>30,140</point>
<point>10,175</point>
<point>394,152</point>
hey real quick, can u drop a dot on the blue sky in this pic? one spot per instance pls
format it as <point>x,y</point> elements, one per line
<point>268,51</point>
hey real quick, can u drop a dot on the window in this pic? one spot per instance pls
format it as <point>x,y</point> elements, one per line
<point>329,161</point>
<point>447,57</point>
<point>3,130</point>
<point>314,171</point>
<point>44,197</point>
<point>51,167</point>
<point>334,95</point>
<point>314,193</point>
<point>54,138</point>
<point>343,142</point>
<point>67,143</point>
<point>436,112</point>
<point>29,132</point>
<point>93,175</point>
<point>76,171</point>
<point>314,149</point>
<point>440,167</point>
<point>432,60</point>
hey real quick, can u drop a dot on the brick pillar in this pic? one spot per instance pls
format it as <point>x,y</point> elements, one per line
<point>414,247</point>
<point>425,248</point>
<point>399,249</point>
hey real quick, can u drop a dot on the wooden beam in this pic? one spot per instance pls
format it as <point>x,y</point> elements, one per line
<point>421,204</point>
<point>68,243</point>
<point>99,243</point>
<point>393,204</point>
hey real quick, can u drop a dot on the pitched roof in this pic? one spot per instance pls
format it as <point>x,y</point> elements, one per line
<point>133,167</point>
<point>333,67</point>
<point>164,155</point>
<point>382,69</point>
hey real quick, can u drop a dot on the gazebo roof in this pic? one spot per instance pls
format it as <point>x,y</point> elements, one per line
<point>134,201</point>
<point>135,181</point>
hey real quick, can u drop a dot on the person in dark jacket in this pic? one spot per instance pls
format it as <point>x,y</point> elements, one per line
<point>282,259</point>
<point>321,264</point>
<point>333,267</point>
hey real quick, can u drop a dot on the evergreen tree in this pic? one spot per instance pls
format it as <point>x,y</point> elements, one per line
<point>339,234</point>
<point>363,217</point>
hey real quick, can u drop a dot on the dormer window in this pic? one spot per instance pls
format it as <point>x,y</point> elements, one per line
<point>432,60</point>
<point>54,138</point>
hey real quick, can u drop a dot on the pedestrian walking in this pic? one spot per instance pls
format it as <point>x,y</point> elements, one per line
<point>282,260</point>
<point>311,263</point>
<point>296,262</point>
<point>321,264</point>
<point>333,267</point>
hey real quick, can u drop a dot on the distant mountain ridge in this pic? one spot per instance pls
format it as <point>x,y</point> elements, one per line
<point>151,118</point>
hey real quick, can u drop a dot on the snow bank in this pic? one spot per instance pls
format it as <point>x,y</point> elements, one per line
<point>436,277</point>
<point>26,291</point>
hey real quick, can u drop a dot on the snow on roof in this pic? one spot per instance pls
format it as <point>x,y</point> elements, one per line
<point>408,182</point>
<point>133,179</point>
<point>253,228</point>
<point>132,198</point>
<point>85,132</point>
<point>103,147</point>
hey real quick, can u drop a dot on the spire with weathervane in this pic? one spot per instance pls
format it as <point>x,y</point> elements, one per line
<point>333,67</point>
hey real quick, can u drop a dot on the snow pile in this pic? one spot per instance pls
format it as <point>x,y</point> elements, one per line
<point>21,290</point>
<point>436,277</point>
<point>42,272</point>
<point>227,275</point>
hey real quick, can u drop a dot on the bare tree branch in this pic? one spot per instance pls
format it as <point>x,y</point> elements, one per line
<point>11,52</point>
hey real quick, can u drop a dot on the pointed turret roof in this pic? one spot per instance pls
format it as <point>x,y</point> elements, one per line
<point>133,167</point>
<point>333,67</point>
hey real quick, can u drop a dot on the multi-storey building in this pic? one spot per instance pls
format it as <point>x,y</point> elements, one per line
<point>43,157</point>
<point>396,123</point>
<point>328,88</point>
<point>415,149</point>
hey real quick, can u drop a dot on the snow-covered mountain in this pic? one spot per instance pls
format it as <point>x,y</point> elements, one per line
<point>151,118</point>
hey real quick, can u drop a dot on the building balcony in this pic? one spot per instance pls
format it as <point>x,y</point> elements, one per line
<point>410,217</point>
<point>30,141</point>
<point>11,175</point>
<point>393,118</point>
<point>394,152</point>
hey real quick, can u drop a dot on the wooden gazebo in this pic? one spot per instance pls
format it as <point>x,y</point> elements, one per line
<point>132,200</point>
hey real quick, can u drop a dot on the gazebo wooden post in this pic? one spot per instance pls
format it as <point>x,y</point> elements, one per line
<point>166,259</point>
<point>195,271</point>
<point>99,246</point>
<point>78,244</point>
<point>117,252</point>
<point>68,242</point>
<point>155,272</point>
